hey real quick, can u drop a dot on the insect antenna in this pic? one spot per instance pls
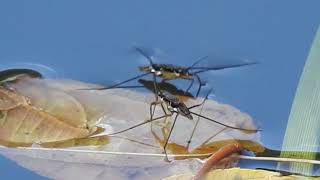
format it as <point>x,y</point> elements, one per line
<point>143,53</point>
<point>128,80</point>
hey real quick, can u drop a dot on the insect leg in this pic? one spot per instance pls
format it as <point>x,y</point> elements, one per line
<point>204,100</point>
<point>192,81</point>
<point>137,125</point>
<point>165,144</point>
<point>153,104</point>
<point>128,87</point>
<point>200,84</point>
<point>166,121</point>
<point>225,125</point>
<point>214,135</point>
<point>194,128</point>
<point>197,62</point>
<point>118,84</point>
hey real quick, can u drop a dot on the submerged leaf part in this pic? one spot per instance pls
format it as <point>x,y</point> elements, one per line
<point>55,102</point>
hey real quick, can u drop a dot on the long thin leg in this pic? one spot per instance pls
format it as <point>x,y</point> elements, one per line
<point>204,100</point>
<point>165,144</point>
<point>118,84</point>
<point>189,87</point>
<point>128,87</point>
<point>232,127</point>
<point>206,141</point>
<point>152,111</point>
<point>167,113</point>
<point>194,128</point>
<point>164,129</point>
<point>156,93</point>
<point>153,104</point>
<point>205,69</point>
<point>200,84</point>
<point>197,62</point>
<point>197,122</point>
<point>164,109</point>
<point>155,86</point>
<point>137,125</point>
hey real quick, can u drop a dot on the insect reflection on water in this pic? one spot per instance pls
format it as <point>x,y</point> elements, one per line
<point>182,95</point>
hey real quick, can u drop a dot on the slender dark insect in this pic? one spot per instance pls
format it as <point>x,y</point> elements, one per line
<point>170,72</point>
<point>172,105</point>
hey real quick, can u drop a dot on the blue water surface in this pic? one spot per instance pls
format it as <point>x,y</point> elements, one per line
<point>90,41</point>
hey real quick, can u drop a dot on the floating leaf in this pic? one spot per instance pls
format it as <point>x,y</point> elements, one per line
<point>135,155</point>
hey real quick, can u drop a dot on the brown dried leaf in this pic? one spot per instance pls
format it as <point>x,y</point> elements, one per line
<point>9,99</point>
<point>53,101</point>
<point>22,123</point>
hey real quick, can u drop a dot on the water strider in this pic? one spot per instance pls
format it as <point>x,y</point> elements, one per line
<point>171,72</point>
<point>171,105</point>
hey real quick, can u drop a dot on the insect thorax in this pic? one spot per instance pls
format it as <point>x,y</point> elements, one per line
<point>167,71</point>
<point>174,104</point>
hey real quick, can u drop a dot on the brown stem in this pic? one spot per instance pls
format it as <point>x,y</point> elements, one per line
<point>216,157</point>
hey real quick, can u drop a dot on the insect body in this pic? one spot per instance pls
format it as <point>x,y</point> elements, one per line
<point>167,71</point>
<point>175,105</point>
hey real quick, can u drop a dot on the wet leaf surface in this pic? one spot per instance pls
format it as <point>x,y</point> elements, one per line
<point>69,140</point>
